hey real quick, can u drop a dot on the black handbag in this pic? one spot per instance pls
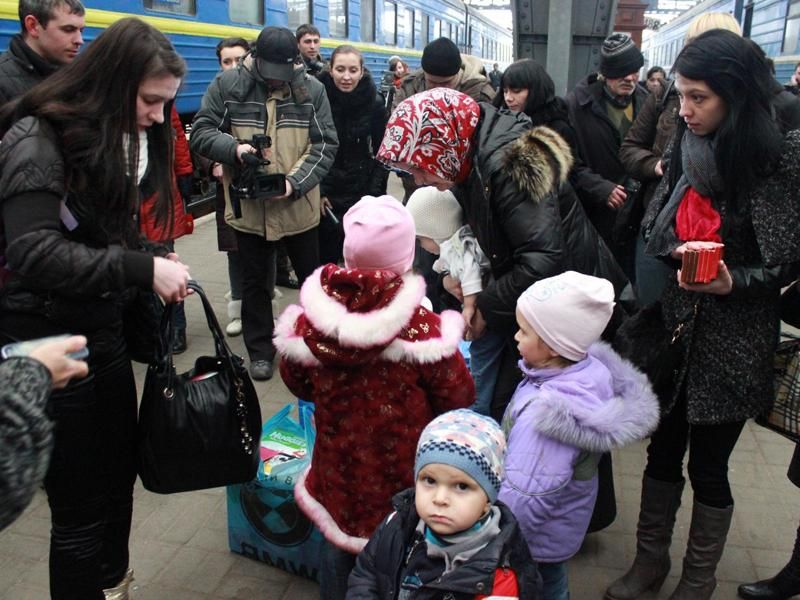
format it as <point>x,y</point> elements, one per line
<point>644,340</point>
<point>199,429</point>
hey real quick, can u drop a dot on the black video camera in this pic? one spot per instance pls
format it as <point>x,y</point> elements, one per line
<point>252,183</point>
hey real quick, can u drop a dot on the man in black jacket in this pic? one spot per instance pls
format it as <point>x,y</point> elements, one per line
<point>602,108</point>
<point>51,37</point>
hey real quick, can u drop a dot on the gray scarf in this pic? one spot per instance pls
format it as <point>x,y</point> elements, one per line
<point>463,546</point>
<point>699,172</point>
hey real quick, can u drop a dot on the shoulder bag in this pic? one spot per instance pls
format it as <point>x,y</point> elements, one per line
<point>199,429</point>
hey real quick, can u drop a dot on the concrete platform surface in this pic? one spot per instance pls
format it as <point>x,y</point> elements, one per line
<point>179,544</point>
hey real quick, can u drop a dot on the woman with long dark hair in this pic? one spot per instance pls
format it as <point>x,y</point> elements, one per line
<point>732,178</point>
<point>77,151</point>
<point>359,117</point>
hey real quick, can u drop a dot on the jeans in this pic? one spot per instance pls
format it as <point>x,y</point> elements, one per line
<point>652,275</point>
<point>710,447</point>
<point>258,262</point>
<point>508,378</point>
<point>485,355</point>
<point>335,567</point>
<point>556,584</point>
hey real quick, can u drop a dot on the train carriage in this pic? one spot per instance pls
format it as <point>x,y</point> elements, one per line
<point>379,28</point>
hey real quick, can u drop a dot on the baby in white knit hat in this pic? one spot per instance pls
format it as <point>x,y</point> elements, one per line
<point>440,230</point>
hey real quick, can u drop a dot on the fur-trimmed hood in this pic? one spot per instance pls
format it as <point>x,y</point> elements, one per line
<point>578,407</point>
<point>539,161</point>
<point>350,317</point>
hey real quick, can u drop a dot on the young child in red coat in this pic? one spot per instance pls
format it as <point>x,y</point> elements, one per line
<point>379,367</point>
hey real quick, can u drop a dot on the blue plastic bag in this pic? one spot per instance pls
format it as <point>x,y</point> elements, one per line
<point>287,445</point>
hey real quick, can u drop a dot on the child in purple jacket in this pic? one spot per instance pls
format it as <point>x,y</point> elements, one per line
<point>577,400</point>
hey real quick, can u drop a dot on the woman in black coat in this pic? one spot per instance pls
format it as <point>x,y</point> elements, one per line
<point>79,148</point>
<point>511,183</point>
<point>360,117</point>
<point>731,177</point>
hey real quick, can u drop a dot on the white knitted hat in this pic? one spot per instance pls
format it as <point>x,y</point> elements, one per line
<point>569,311</point>
<point>437,215</point>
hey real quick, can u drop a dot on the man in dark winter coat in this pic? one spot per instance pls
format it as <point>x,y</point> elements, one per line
<point>51,36</point>
<point>602,108</point>
<point>308,42</point>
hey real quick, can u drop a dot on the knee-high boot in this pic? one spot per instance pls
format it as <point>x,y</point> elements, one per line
<point>785,584</point>
<point>707,535</point>
<point>660,503</point>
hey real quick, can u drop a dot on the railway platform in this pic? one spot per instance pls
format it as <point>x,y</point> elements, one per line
<point>179,543</point>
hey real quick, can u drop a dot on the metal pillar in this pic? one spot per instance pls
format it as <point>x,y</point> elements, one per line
<point>563,35</point>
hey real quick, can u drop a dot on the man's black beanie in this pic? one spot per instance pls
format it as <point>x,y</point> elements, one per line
<point>441,58</point>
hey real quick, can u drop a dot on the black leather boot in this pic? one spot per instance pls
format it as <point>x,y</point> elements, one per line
<point>785,584</point>
<point>660,503</point>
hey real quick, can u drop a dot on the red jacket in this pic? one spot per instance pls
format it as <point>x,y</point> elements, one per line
<point>183,223</point>
<point>379,367</point>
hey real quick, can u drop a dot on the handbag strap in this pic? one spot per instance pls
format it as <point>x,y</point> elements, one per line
<point>165,354</point>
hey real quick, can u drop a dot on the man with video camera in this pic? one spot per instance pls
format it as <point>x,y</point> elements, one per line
<point>270,126</point>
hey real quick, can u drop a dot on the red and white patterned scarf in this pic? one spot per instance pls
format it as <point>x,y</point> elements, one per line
<point>432,131</point>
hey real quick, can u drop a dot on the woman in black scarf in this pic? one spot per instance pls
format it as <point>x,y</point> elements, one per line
<point>731,177</point>
<point>360,118</point>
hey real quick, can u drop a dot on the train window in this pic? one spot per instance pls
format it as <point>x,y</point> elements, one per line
<point>337,18</point>
<point>368,20</point>
<point>426,33</point>
<point>246,11</point>
<point>299,12</point>
<point>408,27</point>
<point>389,23</point>
<point>791,34</point>
<point>176,7</point>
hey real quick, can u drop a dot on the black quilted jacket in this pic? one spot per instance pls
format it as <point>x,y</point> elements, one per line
<point>66,267</point>
<point>20,69</point>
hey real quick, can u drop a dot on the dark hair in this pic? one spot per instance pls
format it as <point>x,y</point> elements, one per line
<point>231,42</point>
<point>346,49</point>
<point>652,70</point>
<point>43,10</point>
<point>749,138</point>
<point>527,74</point>
<point>305,29</point>
<point>91,105</point>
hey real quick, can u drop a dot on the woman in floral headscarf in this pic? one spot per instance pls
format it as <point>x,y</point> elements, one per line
<point>507,178</point>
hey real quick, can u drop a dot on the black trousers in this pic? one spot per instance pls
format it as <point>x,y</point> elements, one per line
<point>258,265</point>
<point>92,469</point>
<point>710,448</point>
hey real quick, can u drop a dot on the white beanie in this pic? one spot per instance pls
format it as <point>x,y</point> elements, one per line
<point>437,215</point>
<point>569,311</point>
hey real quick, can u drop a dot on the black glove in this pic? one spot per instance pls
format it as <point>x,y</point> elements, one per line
<point>249,159</point>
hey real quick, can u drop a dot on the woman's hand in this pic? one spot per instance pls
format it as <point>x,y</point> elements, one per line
<point>659,169</point>
<point>53,355</point>
<point>722,285</point>
<point>170,278</point>
<point>453,286</point>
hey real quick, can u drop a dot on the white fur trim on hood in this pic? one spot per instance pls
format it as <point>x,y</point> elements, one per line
<point>429,351</point>
<point>360,330</point>
<point>290,344</point>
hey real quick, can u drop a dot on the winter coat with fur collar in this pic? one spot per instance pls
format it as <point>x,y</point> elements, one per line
<point>560,421</point>
<point>378,367</point>
<point>525,215</point>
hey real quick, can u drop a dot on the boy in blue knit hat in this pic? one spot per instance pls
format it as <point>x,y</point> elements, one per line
<point>449,533</point>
